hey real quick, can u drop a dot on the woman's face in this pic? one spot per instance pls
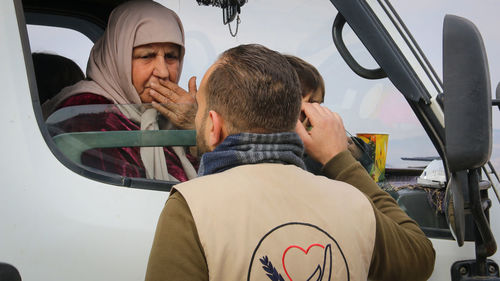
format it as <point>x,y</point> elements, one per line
<point>153,62</point>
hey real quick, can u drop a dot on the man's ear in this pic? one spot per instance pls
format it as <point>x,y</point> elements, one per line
<point>217,132</point>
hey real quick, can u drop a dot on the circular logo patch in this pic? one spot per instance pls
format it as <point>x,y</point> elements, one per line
<point>298,252</point>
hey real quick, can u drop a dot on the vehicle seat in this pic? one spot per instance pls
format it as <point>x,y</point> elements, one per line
<point>53,73</point>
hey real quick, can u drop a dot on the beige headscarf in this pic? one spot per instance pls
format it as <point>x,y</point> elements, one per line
<point>109,69</point>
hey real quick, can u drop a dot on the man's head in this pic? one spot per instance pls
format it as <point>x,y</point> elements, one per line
<point>248,89</point>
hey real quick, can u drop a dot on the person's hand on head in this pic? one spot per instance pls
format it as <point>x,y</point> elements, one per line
<point>327,136</point>
<point>175,103</point>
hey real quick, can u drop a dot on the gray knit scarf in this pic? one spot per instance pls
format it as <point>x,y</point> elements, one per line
<point>246,148</point>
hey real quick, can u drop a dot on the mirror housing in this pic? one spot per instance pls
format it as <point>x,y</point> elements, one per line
<point>467,95</point>
<point>467,114</point>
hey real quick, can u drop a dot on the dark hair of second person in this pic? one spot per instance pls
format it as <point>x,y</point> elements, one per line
<point>313,90</point>
<point>311,81</point>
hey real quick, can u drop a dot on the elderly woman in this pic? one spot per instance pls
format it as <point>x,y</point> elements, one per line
<point>137,60</point>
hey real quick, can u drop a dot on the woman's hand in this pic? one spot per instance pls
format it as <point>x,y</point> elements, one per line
<point>175,103</point>
<point>327,136</point>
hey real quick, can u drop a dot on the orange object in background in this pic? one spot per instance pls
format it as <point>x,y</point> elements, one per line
<point>378,144</point>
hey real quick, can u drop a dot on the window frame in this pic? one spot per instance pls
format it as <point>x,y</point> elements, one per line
<point>92,30</point>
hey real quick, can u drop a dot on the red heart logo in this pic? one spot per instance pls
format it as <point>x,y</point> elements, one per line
<point>300,248</point>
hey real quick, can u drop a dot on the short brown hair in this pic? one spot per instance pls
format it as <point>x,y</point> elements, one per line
<point>310,79</point>
<point>255,89</point>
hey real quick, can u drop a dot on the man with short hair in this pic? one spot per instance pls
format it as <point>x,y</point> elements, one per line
<point>255,213</point>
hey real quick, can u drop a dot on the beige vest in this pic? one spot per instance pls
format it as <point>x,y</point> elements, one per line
<point>266,221</point>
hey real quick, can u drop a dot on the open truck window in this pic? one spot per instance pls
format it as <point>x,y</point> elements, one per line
<point>60,47</point>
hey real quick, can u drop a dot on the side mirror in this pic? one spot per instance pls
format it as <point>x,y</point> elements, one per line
<point>467,114</point>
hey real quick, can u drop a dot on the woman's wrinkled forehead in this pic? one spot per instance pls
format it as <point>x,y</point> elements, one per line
<point>166,47</point>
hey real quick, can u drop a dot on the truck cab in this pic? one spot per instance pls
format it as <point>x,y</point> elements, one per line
<point>62,220</point>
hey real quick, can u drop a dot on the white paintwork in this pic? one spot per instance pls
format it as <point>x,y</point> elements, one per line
<point>438,112</point>
<point>55,224</point>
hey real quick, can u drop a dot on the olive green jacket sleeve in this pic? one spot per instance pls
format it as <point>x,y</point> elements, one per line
<point>402,251</point>
<point>176,254</point>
